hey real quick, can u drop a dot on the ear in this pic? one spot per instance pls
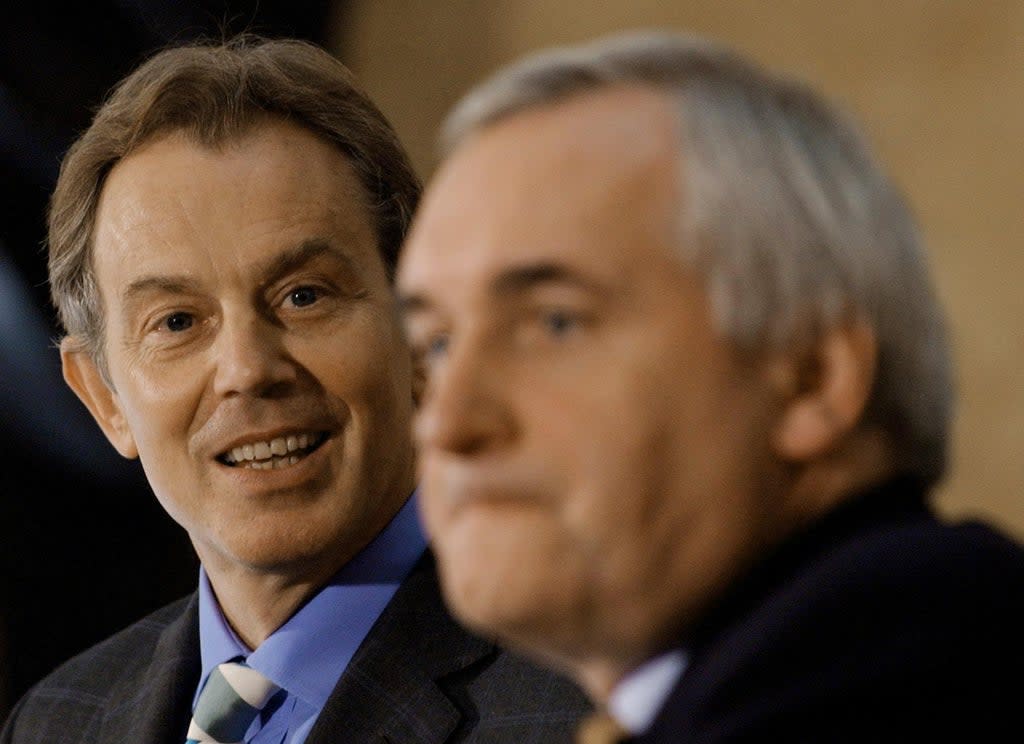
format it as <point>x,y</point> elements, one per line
<point>825,392</point>
<point>83,376</point>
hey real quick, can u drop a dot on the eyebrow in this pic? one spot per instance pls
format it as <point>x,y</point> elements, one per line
<point>302,254</point>
<point>289,260</point>
<point>517,280</point>
<point>163,284</point>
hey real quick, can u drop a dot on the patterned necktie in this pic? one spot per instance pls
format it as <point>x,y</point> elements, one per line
<point>234,695</point>
<point>600,728</point>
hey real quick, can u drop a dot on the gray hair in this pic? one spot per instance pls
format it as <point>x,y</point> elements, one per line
<point>786,216</point>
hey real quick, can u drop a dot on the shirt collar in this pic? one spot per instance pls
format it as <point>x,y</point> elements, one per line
<point>307,654</point>
<point>639,696</point>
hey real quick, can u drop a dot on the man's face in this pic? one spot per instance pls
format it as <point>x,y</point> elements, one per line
<point>258,366</point>
<point>593,455</point>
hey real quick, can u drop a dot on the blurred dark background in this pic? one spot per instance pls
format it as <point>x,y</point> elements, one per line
<point>85,549</point>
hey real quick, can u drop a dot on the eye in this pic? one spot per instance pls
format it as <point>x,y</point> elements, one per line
<point>436,346</point>
<point>560,323</point>
<point>177,322</point>
<point>303,296</point>
<point>431,349</point>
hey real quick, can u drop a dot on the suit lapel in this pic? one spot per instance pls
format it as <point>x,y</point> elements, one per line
<point>158,700</point>
<point>390,691</point>
<point>772,621</point>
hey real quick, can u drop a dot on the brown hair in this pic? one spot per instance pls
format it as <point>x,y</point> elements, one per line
<point>214,92</point>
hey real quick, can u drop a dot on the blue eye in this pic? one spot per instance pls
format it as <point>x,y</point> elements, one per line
<point>437,346</point>
<point>304,296</point>
<point>560,323</point>
<point>178,322</point>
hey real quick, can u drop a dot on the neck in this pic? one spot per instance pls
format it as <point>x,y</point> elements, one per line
<point>597,673</point>
<point>256,604</point>
<point>811,491</point>
<point>819,487</point>
<point>598,677</point>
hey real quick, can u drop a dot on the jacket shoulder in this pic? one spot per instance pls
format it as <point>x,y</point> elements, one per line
<point>421,676</point>
<point>902,627</point>
<point>517,699</point>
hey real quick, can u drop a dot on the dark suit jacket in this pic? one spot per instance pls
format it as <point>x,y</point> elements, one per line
<point>877,625</point>
<point>417,677</point>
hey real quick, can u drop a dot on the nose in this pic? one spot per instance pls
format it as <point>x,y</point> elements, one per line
<point>464,410</point>
<point>251,358</point>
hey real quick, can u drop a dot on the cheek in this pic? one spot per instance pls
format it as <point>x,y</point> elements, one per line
<point>367,365</point>
<point>608,465</point>
<point>160,411</point>
<point>161,427</point>
<point>634,476</point>
<point>434,508</point>
<point>611,527</point>
<point>510,570</point>
<point>162,405</point>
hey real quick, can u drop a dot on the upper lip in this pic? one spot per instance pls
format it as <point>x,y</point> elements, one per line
<point>470,484</point>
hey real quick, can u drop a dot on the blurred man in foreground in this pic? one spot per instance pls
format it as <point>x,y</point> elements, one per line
<point>688,393</point>
<point>222,243</point>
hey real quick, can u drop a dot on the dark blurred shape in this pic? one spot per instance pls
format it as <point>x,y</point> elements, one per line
<point>79,526</point>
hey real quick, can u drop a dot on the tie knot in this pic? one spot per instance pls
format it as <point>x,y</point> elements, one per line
<point>600,727</point>
<point>233,696</point>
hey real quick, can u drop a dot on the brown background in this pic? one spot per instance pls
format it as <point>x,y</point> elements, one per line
<point>938,87</point>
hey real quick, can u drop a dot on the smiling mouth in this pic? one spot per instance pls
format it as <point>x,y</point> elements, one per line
<point>276,453</point>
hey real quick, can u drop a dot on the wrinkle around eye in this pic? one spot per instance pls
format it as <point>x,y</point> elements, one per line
<point>317,294</point>
<point>172,330</point>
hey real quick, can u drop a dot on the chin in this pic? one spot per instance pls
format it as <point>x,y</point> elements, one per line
<point>473,595</point>
<point>277,549</point>
<point>535,632</point>
<point>513,611</point>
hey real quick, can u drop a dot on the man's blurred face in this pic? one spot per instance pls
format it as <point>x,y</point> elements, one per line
<point>592,453</point>
<point>258,364</point>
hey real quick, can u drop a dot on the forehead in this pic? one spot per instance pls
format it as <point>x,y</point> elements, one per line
<point>296,157</point>
<point>591,182</point>
<point>276,183</point>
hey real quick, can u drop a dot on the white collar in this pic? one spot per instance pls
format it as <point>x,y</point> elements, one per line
<point>638,697</point>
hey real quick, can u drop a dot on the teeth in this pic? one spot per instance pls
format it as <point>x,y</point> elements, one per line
<point>276,464</point>
<point>259,454</point>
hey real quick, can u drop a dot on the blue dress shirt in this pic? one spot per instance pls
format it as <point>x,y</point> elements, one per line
<point>307,655</point>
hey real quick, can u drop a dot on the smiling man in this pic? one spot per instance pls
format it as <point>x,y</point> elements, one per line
<point>222,244</point>
<point>688,396</point>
